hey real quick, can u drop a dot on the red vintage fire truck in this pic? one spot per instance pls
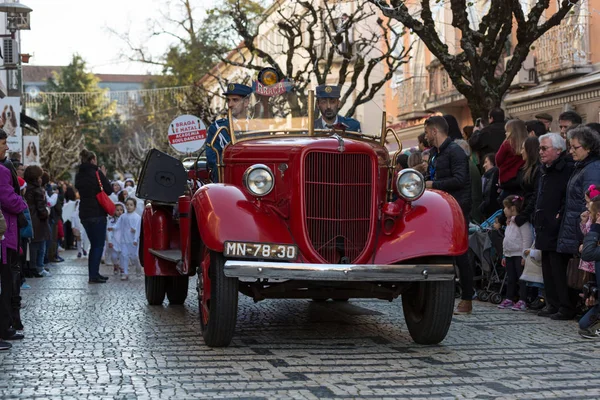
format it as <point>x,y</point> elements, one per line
<point>300,213</point>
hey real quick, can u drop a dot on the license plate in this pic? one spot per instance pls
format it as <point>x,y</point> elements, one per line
<point>261,250</point>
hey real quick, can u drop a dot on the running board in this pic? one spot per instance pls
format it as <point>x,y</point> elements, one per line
<point>169,255</point>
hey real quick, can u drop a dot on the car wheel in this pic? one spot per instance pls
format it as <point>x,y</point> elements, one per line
<point>342,299</point>
<point>316,300</point>
<point>428,308</point>
<point>177,289</point>
<point>217,300</point>
<point>155,289</point>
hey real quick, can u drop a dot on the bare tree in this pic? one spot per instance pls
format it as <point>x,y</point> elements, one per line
<point>61,143</point>
<point>314,40</point>
<point>473,68</point>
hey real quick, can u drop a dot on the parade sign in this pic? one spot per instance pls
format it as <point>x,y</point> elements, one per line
<point>272,90</point>
<point>187,134</point>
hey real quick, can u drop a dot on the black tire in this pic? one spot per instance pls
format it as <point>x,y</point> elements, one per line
<point>341,299</point>
<point>496,298</point>
<point>483,295</point>
<point>428,309</point>
<point>219,327</point>
<point>319,300</point>
<point>177,289</point>
<point>155,289</point>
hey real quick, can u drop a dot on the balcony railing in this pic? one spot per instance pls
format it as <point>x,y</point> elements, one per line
<point>412,93</point>
<point>565,49</point>
<point>441,89</point>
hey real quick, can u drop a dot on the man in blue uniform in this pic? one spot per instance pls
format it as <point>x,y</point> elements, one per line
<point>328,102</point>
<point>237,97</point>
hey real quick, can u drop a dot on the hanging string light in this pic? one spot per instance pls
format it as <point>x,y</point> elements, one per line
<point>126,99</point>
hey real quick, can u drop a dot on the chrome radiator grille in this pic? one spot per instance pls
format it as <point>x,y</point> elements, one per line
<point>337,204</point>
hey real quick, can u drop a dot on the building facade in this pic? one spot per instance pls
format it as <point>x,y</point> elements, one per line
<point>562,72</point>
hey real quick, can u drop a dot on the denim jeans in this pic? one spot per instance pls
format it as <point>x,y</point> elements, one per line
<point>37,250</point>
<point>95,229</point>
<point>593,313</point>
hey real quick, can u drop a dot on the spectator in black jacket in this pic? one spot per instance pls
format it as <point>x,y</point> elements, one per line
<point>490,188</point>
<point>490,138</point>
<point>549,212</point>
<point>529,176</point>
<point>449,172</point>
<point>92,215</point>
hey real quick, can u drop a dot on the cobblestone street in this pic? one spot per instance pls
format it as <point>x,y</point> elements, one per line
<point>103,341</point>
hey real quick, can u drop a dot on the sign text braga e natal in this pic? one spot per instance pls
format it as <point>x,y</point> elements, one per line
<point>187,134</point>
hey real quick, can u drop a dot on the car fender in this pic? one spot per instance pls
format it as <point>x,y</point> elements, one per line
<point>431,226</point>
<point>226,213</point>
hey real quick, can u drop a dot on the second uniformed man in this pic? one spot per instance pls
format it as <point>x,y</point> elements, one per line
<point>237,97</point>
<point>328,102</point>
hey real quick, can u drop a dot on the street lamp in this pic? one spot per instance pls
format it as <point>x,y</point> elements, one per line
<point>17,17</point>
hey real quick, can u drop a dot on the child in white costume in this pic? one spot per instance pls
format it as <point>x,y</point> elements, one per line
<point>129,225</point>
<point>113,238</point>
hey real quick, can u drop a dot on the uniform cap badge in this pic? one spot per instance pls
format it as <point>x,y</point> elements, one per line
<point>231,87</point>
<point>328,89</point>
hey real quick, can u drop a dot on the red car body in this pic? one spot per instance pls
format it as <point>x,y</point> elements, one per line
<point>330,199</point>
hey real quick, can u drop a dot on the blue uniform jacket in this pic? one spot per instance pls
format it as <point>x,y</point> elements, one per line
<point>219,145</point>
<point>352,124</point>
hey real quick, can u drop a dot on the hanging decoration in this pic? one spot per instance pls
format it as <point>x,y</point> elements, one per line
<point>126,100</point>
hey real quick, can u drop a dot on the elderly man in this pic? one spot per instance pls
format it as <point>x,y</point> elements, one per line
<point>449,172</point>
<point>555,173</point>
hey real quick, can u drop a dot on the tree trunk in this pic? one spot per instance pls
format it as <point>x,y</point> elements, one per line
<point>480,105</point>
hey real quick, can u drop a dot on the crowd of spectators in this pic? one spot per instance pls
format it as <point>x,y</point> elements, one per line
<point>41,217</point>
<point>543,181</point>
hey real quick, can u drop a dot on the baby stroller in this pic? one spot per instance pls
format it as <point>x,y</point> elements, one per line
<point>485,254</point>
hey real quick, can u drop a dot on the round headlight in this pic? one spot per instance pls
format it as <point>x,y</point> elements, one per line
<point>410,184</point>
<point>259,180</point>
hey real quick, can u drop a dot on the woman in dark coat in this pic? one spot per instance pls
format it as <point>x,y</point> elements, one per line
<point>528,177</point>
<point>585,149</point>
<point>92,215</point>
<point>490,204</point>
<point>35,196</point>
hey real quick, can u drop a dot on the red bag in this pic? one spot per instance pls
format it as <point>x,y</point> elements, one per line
<point>105,202</point>
<point>60,229</point>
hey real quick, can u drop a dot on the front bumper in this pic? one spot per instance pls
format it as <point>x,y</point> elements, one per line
<point>339,272</point>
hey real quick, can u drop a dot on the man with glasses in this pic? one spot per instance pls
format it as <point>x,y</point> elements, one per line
<point>328,102</point>
<point>568,120</point>
<point>556,170</point>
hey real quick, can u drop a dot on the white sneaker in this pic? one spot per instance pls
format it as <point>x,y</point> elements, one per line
<point>45,273</point>
<point>60,248</point>
<point>124,277</point>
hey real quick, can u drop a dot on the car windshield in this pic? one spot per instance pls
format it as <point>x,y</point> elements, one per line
<point>287,113</point>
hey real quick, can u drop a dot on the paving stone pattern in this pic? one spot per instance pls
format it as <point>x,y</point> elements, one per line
<point>104,342</point>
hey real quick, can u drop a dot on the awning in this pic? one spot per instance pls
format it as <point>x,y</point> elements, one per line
<point>29,123</point>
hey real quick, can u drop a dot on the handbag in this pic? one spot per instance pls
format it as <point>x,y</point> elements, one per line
<point>532,271</point>
<point>103,199</point>
<point>576,277</point>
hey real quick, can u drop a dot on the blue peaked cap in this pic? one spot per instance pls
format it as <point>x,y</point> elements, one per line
<point>328,92</point>
<point>238,89</point>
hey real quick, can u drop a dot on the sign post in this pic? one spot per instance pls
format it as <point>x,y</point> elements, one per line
<point>187,134</point>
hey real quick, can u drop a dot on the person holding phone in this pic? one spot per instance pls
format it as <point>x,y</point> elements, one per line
<point>490,138</point>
